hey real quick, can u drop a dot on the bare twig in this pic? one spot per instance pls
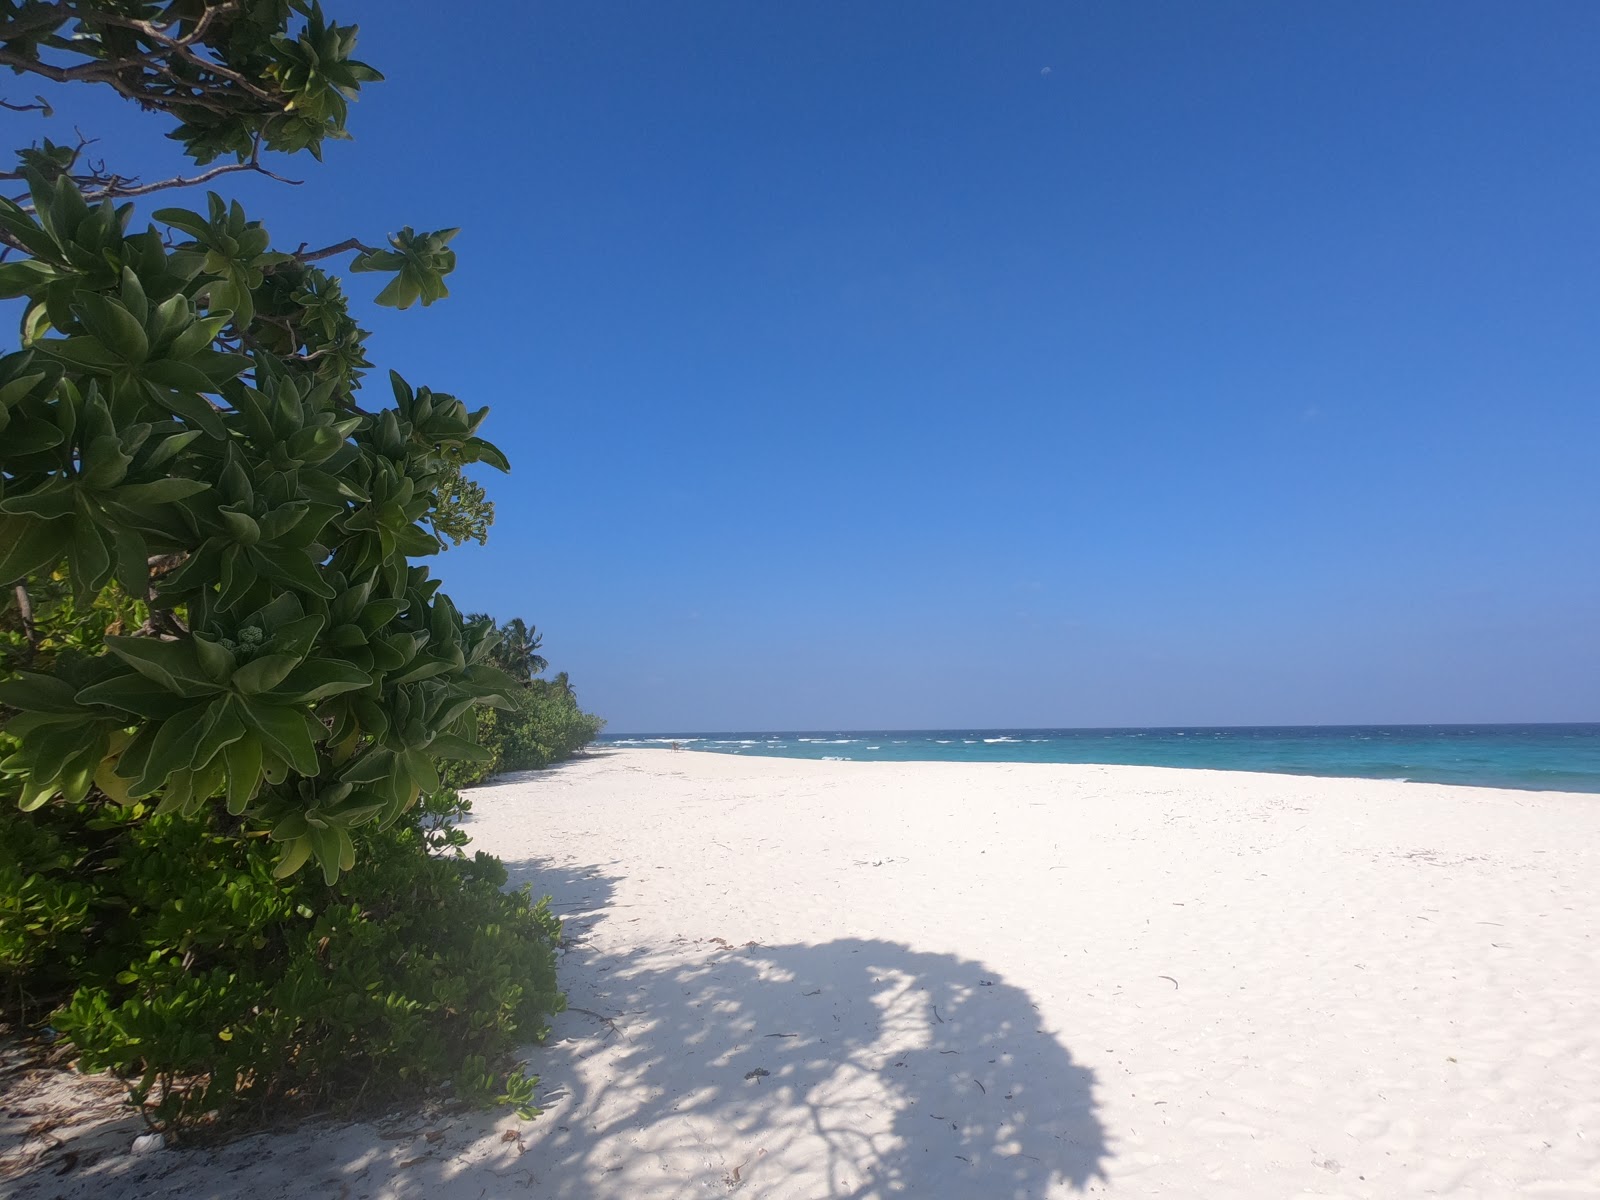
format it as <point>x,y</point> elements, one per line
<point>42,106</point>
<point>97,185</point>
<point>25,610</point>
<point>609,1022</point>
<point>119,187</point>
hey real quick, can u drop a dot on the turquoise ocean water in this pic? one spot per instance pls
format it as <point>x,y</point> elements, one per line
<point>1538,757</point>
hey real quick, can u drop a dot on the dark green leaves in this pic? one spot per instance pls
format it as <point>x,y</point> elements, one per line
<point>286,83</point>
<point>27,545</point>
<point>218,610</point>
<point>180,434</point>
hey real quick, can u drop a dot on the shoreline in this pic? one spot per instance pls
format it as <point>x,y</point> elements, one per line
<point>1525,757</point>
<point>791,978</point>
<point>1253,772</point>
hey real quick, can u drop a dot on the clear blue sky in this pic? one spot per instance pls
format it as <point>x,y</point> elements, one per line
<point>955,364</point>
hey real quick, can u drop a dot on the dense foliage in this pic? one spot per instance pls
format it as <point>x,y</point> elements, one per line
<point>219,661</point>
<point>294,664</point>
<point>170,954</point>
<point>233,74</point>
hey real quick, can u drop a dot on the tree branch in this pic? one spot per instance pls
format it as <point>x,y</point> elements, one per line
<point>42,18</point>
<point>118,187</point>
<point>305,256</point>
<point>97,71</point>
<point>140,77</point>
<point>152,30</point>
<point>228,8</point>
<point>112,187</point>
<point>182,47</point>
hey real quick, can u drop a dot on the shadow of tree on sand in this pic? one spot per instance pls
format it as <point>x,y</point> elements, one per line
<point>848,1069</point>
<point>852,1068</point>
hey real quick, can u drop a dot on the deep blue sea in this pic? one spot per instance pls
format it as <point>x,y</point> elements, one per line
<point>1538,757</point>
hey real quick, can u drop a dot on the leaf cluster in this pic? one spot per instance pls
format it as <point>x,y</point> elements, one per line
<point>177,960</point>
<point>544,724</point>
<point>233,74</point>
<point>220,656</point>
<point>180,424</point>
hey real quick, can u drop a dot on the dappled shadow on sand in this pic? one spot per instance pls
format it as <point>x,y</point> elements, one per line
<point>697,1066</point>
<point>852,1068</point>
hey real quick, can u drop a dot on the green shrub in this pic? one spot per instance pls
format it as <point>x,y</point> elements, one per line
<point>543,726</point>
<point>182,964</point>
<point>220,658</point>
<point>542,722</point>
<point>464,773</point>
<point>183,422</point>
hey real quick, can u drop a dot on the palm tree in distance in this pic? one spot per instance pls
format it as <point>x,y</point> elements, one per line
<point>516,653</point>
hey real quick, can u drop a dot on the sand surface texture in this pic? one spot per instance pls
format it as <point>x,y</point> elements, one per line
<point>817,979</point>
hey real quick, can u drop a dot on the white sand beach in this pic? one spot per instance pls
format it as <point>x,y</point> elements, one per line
<point>798,979</point>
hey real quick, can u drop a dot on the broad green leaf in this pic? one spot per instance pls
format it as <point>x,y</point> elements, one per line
<point>321,678</point>
<point>175,746</point>
<point>112,784</point>
<point>215,659</point>
<point>83,351</point>
<point>244,772</point>
<point>264,673</point>
<point>293,856</point>
<point>131,561</point>
<point>35,793</point>
<point>172,664</point>
<point>371,767</point>
<point>89,556</point>
<point>33,692</point>
<point>222,730</point>
<point>136,694</point>
<point>104,463</point>
<point>286,731</point>
<point>160,491</point>
<point>48,750</point>
<point>446,745</point>
<point>294,568</point>
<point>27,546</point>
<point>114,326</point>
<point>296,636</point>
<point>422,771</point>
<point>290,827</point>
<point>325,845</point>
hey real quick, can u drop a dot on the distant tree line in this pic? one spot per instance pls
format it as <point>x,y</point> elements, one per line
<point>543,723</point>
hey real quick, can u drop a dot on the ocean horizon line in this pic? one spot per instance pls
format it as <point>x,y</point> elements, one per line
<point>795,730</point>
<point>1530,756</point>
